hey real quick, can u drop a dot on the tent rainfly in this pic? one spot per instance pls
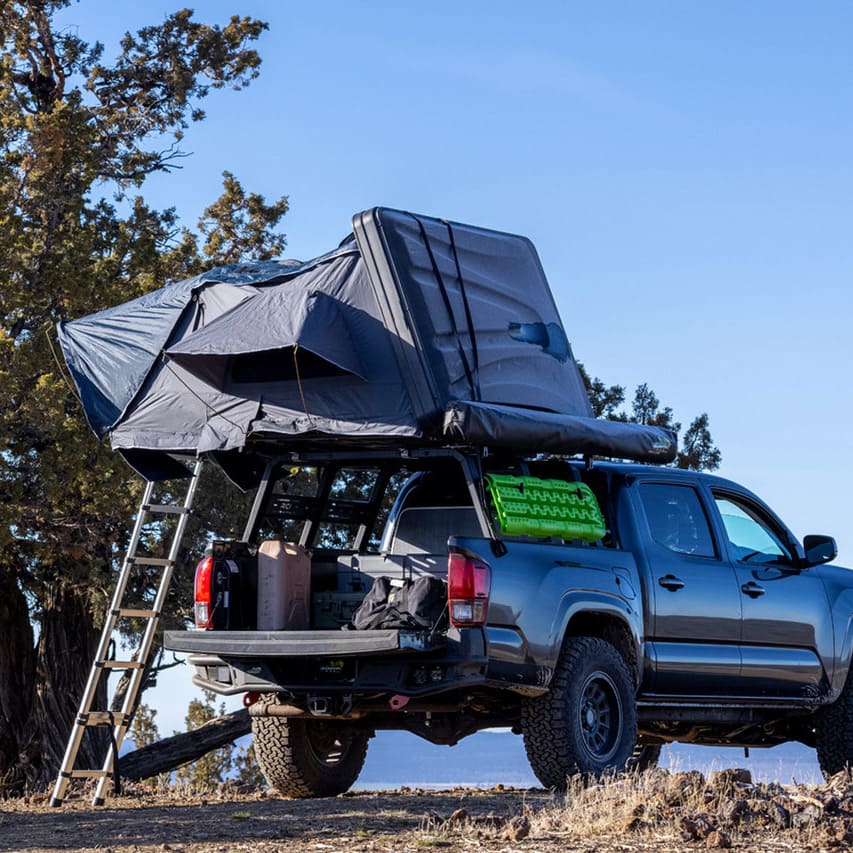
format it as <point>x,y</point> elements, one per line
<point>414,331</point>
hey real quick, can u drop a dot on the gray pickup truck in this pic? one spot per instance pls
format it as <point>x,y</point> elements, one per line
<point>598,609</point>
<point>690,613</point>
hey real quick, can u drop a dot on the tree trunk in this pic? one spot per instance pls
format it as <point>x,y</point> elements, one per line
<point>68,641</point>
<point>17,674</point>
<point>173,752</point>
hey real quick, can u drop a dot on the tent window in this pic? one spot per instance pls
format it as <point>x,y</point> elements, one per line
<point>280,365</point>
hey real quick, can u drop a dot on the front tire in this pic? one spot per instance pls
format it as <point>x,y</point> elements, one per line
<point>308,758</point>
<point>834,734</point>
<point>587,723</point>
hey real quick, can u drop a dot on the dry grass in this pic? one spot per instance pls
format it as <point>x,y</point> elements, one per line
<point>660,808</point>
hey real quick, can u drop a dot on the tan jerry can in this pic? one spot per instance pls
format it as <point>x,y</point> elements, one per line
<point>284,586</point>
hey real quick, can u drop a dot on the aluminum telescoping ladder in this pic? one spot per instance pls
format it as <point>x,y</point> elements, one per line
<point>119,720</point>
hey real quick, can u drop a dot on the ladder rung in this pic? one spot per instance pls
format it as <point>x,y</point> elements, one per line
<point>121,664</point>
<point>85,774</point>
<point>168,509</point>
<point>140,614</point>
<point>102,718</point>
<point>149,561</point>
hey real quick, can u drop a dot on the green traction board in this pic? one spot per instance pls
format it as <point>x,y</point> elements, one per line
<point>529,506</point>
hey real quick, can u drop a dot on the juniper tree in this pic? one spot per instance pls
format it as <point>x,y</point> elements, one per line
<point>697,451</point>
<point>79,135</point>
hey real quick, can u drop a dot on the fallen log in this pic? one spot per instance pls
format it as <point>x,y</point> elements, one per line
<point>173,752</point>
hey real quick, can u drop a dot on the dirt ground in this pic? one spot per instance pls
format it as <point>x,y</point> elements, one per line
<point>416,820</point>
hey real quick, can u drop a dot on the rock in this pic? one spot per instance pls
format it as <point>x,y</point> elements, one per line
<point>840,832</point>
<point>728,780</point>
<point>635,824</point>
<point>696,828</point>
<point>516,829</point>
<point>809,815</point>
<point>689,829</point>
<point>459,816</point>
<point>780,815</point>
<point>691,779</point>
<point>718,839</point>
<point>734,811</point>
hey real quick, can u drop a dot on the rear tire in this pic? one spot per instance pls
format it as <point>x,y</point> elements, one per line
<point>308,758</point>
<point>834,734</point>
<point>587,723</point>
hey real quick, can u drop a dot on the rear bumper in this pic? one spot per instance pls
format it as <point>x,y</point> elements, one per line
<point>358,665</point>
<point>278,644</point>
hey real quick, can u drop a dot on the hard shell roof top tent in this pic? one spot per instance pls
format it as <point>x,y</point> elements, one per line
<point>414,332</point>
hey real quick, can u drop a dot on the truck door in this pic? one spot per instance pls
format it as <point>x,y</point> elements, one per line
<point>785,607</point>
<point>694,630</point>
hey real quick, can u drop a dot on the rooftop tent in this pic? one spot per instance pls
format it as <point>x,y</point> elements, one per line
<point>414,331</point>
<point>472,314</point>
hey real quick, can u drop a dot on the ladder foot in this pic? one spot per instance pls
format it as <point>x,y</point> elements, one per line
<point>98,801</point>
<point>56,801</point>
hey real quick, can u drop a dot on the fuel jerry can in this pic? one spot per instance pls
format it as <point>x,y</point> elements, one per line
<point>284,586</point>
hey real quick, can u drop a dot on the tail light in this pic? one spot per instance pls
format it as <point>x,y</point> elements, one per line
<point>469,583</point>
<point>204,593</point>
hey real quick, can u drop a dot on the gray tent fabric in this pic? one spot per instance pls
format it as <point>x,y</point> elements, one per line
<point>179,411</point>
<point>110,353</point>
<point>413,331</point>
<point>282,320</point>
<point>502,426</point>
<point>473,312</point>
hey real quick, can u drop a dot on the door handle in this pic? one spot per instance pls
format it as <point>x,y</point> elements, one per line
<point>671,582</point>
<point>752,589</point>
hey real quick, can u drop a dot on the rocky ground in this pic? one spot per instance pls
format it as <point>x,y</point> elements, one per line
<point>656,811</point>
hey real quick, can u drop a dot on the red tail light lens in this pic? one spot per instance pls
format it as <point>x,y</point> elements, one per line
<point>204,593</point>
<point>469,583</point>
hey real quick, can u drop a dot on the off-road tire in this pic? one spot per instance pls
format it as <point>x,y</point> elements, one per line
<point>587,722</point>
<point>834,733</point>
<point>308,758</point>
<point>644,757</point>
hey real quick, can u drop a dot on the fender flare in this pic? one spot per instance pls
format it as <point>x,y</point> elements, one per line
<point>576,602</point>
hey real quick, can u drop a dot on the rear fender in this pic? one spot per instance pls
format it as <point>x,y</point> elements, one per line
<point>599,613</point>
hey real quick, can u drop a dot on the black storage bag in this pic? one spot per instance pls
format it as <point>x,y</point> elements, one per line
<point>419,604</point>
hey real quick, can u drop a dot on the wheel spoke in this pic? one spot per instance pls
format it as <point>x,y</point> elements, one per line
<point>599,715</point>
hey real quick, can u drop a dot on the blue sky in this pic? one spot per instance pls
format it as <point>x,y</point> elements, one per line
<point>685,171</point>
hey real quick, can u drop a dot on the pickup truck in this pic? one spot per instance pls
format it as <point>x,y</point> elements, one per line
<point>690,613</point>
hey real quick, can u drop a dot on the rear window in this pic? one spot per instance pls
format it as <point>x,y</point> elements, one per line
<point>676,519</point>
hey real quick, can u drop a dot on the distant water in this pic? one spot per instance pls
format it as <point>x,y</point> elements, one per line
<point>489,758</point>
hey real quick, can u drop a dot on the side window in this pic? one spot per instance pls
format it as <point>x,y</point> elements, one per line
<point>676,519</point>
<point>751,538</point>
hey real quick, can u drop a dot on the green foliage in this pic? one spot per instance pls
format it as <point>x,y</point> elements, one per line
<point>144,729</point>
<point>240,226</point>
<point>247,773</point>
<point>209,771</point>
<point>221,765</point>
<point>697,449</point>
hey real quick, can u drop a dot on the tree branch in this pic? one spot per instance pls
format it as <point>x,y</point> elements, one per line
<point>173,752</point>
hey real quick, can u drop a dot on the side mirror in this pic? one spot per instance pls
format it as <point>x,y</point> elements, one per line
<point>819,549</point>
